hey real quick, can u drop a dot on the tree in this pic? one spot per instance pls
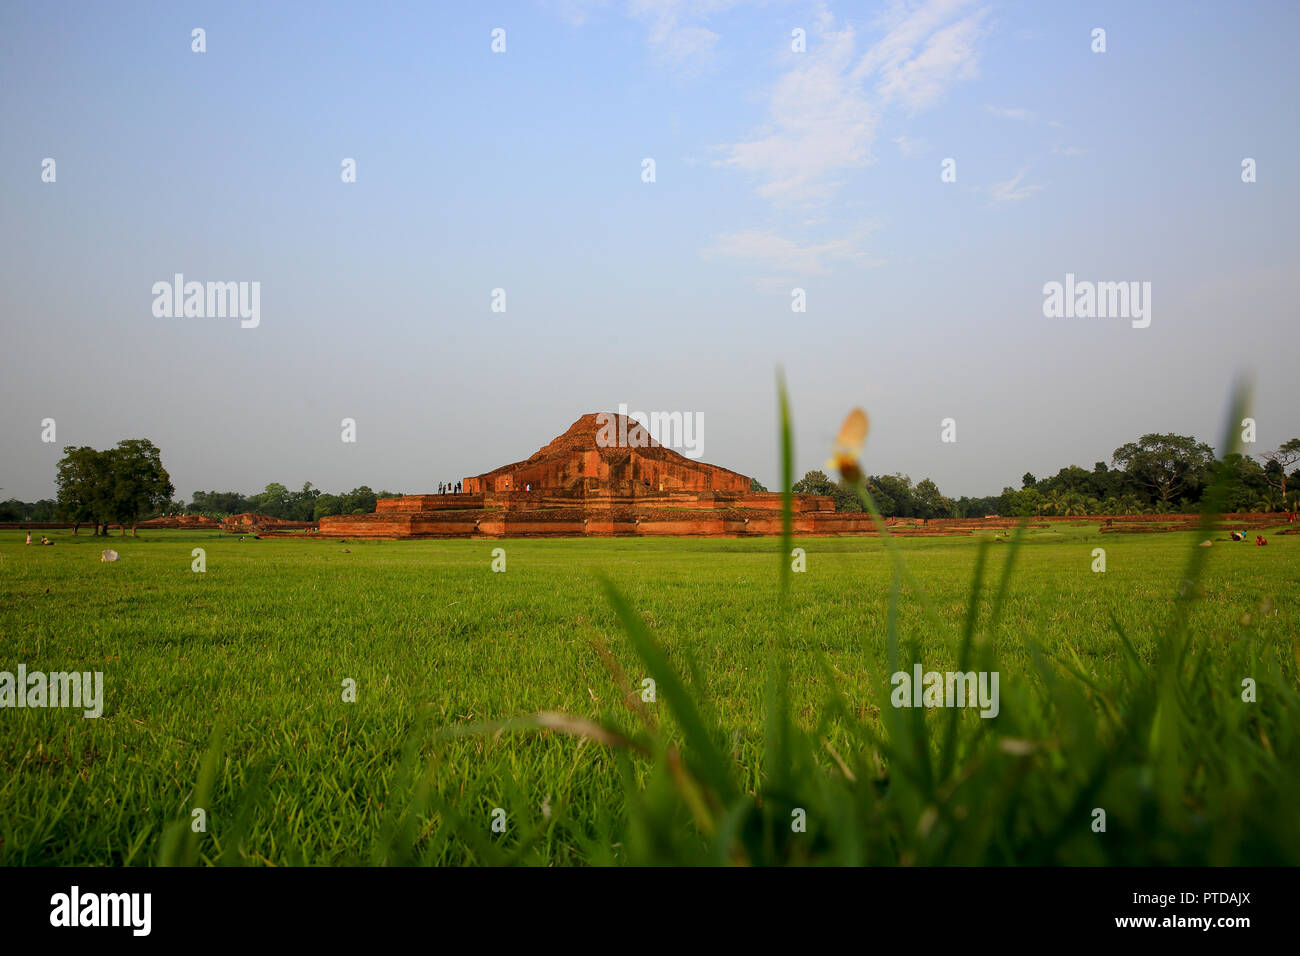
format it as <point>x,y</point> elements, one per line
<point>274,501</point>
<point>83,481</point>
<point>302,504</point>
<point>930,502</point>
<point>218,504</point>
<point>894,494</point>
<point>756,485</point>
<point>1166,464</point>
<point>1027,502</point>
<point>1286,455</point>
<point>140,484</point>
<point>327,505</point>
<point>1245,481</point>
<point>817,483</point>
<point>1028,480</point>
<point>358,501</point>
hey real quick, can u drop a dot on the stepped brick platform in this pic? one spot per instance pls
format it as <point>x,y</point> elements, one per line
<point>581,484</point>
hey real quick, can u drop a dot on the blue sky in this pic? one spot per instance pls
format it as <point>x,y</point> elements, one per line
<point>521,170</point>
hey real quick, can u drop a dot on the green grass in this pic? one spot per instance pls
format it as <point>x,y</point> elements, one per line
<point>259,645</point>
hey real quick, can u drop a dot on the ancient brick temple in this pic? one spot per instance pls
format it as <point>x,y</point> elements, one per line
<point>584,484</point>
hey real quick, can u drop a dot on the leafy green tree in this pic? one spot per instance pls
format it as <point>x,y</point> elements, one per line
<point>274,501</point>
<point>47,509</point>
<point>930,502</point>
<point>1025,503</point>
<point>1168,465</point>
<point>1286,456</point>
<point>756,485</point>
<point>325,506</point>
<point>140,483</point>
<point>818,483</point>
<point>358,501</point>
<point>1246,479</point>
<point>302,504</point>
<point>1105,483</point>
<point>977,507</point>
<point>219,504</point>
<point>83,481</point>
<point>896,492</point>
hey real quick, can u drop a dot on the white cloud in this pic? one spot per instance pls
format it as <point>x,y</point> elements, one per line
<point>676,30</point>
<point>575,12</point>
<point>823,113</point>
<point>820,122</point>
<point>947,54</point>
<point>1011,190</point>
<point>677,34</point>
<point>774,252</point>
<point>910,147</point>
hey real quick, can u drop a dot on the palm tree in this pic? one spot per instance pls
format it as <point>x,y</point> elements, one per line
<point>1075,504</point>
<point>1056,502</point>
<point>1268,501</point>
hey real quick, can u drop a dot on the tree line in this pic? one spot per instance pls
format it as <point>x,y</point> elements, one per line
<point>1157,473</point>
<point>309,504</point>
<point>128,484</point>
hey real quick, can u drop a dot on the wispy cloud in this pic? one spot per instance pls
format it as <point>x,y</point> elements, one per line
<point>676,30</point>
<point>910,147</point>
<point>820,123</point>
<point>825,110</point>
<point>677,33</point>
<point>1017,113</point>
<point>928,48</point>
<point>575,12</point>
<point>774,252</point>
<point>1011,190</point>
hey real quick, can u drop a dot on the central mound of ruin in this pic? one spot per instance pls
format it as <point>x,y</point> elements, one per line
<point>606,475</point>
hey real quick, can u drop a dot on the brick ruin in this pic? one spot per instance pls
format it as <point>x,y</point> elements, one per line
<point>578,485</point>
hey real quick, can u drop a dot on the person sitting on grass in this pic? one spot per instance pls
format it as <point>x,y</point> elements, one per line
<point>1260,539</point>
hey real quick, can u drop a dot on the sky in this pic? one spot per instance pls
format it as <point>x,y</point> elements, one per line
<point>820,169</point>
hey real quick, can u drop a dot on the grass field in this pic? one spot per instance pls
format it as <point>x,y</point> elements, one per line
<point>223,690</point>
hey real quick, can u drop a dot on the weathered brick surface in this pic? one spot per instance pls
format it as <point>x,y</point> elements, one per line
<point>251,522</point>
<point>575,464</point>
